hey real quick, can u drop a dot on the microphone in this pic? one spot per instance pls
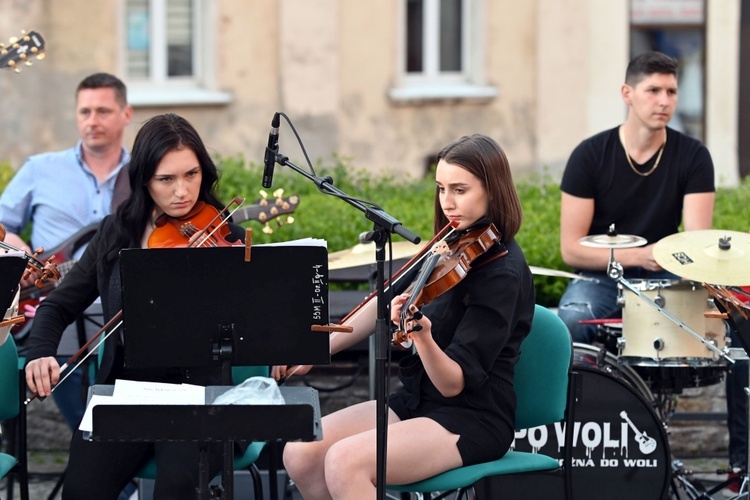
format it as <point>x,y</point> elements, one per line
<point>271,150</point>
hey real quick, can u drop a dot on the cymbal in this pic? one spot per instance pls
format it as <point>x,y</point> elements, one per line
<point>714,256</point>
<point>541,271</point>
<point>363,254</point>
<point>615,241</point>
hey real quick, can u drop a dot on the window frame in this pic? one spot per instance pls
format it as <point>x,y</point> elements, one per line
<point>431,83</point>
<point>160,90</point>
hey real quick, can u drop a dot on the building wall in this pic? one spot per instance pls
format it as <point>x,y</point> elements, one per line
<point>329,65</point>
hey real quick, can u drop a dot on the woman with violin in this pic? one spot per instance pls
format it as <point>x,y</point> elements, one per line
<point>457,403</point>
<point>171,174</point>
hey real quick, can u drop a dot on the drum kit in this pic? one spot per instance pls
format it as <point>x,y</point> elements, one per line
<point>671,337</point>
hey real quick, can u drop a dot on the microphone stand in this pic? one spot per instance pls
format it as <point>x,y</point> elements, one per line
<point>384,226</point>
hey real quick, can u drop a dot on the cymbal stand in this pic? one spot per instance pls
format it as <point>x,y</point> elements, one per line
<point>738,317</point>
<point>615,271</point>
<point>740,353</point>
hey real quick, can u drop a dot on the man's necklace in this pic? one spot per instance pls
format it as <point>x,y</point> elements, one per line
<point>630,162</point>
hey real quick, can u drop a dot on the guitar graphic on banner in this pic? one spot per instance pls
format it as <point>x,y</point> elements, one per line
<point>645,443</point>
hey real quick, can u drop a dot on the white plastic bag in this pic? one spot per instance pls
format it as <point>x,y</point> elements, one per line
<point>253,391</point>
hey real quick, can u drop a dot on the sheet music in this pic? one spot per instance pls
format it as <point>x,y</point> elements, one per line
<point>303,242</point>
<point>13,253</point>
<point>129,392</point>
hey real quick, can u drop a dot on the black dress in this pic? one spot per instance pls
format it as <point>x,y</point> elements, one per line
<point>480,323</point>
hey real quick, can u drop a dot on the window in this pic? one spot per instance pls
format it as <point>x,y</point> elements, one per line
<point>677,28</point>
<point>441,51</point>
<point>165,60</point>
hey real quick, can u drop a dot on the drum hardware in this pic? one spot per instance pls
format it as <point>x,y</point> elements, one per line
<point>659,300</point>
<point>737,314</point>
<point>709,345</point>
<point>615,271</point>
<point>658,344</point>
<point>701,256</point>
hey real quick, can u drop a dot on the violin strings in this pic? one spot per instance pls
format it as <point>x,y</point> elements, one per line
<point>207,237</point>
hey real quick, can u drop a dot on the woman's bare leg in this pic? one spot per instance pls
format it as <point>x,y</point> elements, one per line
<point>305,462</point>
<point>417,449</point>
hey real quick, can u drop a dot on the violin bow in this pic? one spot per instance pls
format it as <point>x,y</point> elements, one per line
<point>88,344</point>
<point>440,236</point>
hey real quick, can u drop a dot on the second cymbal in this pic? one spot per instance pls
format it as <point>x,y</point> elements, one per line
<point>612,241</point>
<point>364,254</point>
<point>714,256</point>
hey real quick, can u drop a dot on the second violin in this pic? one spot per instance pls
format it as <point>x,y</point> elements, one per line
<point>447,265</point>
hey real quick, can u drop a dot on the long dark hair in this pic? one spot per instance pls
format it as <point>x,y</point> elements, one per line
<point>484,158</point>
<point>158,136</point>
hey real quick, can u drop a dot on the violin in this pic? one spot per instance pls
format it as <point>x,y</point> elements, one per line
<point>46,270</point>
<point>201,227</point>
<point>446,264</point>
<point>11,316</point>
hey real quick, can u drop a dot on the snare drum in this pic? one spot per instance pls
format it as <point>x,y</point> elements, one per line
<point>649,336</point>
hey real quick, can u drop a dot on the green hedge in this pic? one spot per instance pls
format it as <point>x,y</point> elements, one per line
<point>410,201</point>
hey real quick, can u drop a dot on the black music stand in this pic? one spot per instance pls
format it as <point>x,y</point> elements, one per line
<point>12,267</point>
<point>261,310</point>
<point>210,307</point>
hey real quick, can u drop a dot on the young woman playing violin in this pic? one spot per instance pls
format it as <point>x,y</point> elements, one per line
<point>457,404</point>
<point>171,172</point>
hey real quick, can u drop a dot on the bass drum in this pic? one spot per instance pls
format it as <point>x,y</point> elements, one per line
<point>602,360</point>
<point>620,448</point>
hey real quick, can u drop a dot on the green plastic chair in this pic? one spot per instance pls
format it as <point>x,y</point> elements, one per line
<point>10,407</point>
<point>543,391</point>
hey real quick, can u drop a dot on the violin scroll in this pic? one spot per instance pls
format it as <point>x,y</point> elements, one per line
<point>46,270</point>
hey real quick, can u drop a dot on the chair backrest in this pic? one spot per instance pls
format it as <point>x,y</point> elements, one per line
<point>10,398</point>
<point>242,373</point>
<point>541,374</point>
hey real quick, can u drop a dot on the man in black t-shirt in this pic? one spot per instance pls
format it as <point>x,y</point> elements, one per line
<point>646,179</point>
<point>643,177</point>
